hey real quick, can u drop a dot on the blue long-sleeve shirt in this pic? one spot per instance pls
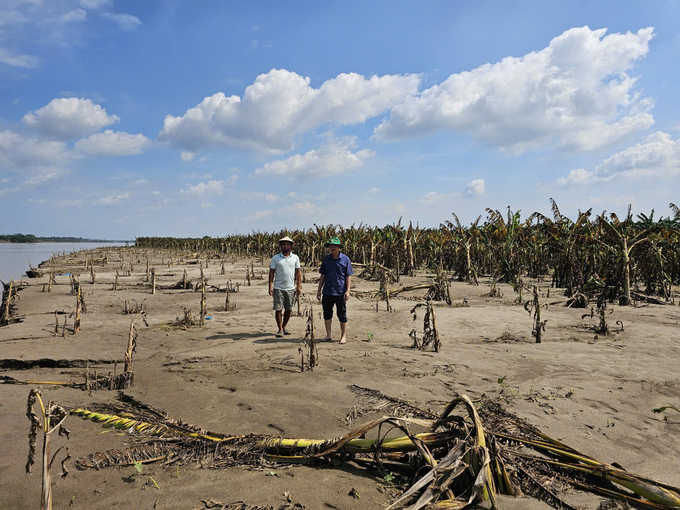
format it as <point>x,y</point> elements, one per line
<point>336,272</point>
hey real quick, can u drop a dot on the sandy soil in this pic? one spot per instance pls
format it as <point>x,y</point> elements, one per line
<point>234,376</point>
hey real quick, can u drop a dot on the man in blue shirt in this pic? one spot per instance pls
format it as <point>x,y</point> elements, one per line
<point>335,281</point>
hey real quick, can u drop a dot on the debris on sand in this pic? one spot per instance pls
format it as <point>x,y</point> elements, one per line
<point>459,459</point>
<point>8,312</point>
<point>34,272</point>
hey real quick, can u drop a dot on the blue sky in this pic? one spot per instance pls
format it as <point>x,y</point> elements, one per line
<point>120,119</point>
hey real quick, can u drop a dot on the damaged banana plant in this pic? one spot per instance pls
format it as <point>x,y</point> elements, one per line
<point>457,460</point>
<point>50,419</point>
<point>430,329</point>
<point>535,306</point>
<point>311,353</point>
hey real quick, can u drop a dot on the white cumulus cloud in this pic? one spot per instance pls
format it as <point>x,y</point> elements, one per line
<point>74,16</point>
<point>433,197</point>
<point>95,4</point>
<point>657,156</point>
<point>279,106</point>
<point>7,191</point>
<point>475,188</point>
<point>298,210</point>
<point>25,61</point>
<point>258,195</point>
<point>68,118</point>
<point>37,180</point>
<point>204,189</point>
<point>575,94</point>
<point>333,158</point>
<point>186,156</point>
<point>124,21</point>
<point>110,143</point>
<point>579,177</point>
<point>19,151</point>
<point>112,199</point>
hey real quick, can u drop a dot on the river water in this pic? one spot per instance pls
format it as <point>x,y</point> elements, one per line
<point>15,257</point>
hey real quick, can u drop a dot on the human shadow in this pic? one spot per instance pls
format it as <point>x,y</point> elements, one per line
<point>291,339</point>
<point>235,336</point>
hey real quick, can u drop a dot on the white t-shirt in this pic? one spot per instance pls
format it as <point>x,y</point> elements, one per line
<point>284,278</point>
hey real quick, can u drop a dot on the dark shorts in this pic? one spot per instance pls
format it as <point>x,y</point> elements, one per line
<point>341,305</point>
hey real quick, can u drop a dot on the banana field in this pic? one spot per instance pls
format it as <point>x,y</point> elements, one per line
<point>619,259</point>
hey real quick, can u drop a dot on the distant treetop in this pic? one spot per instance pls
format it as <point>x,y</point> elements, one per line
<point>30,238</point>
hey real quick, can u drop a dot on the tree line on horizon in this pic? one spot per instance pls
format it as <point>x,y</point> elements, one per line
<point>30,238</point>
<point>589,253</point>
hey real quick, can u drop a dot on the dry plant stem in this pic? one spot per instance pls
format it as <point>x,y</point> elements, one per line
<point>115,282</point>
<point>7,304</point>
<point>535,306</point>
<point>92,275</point>
<point>147,271</point>
<point>130,347</point>
<point>153,280</point>
<point>63,329</point>
<point>44,422</point>
<point>538,316</point>
<point>437,341</point>
<point>76,321</point>
<point>203,301</point>
<point>49,284</point>
<point>313,353</point>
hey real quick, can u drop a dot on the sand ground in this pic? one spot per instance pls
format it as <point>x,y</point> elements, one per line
<point>595,394</point>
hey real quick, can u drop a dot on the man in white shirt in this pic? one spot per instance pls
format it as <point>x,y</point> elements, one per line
<point>284,278</point>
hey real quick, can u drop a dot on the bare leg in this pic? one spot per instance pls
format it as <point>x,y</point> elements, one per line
<point>286,318</point>
<point>278,319</point>
<point>329,325</point>
<point>343,331</point>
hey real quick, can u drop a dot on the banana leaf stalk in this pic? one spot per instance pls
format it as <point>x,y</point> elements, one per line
<point>488,487</point>
<point>621,496</point>
<point>471,460</point>
<point>657,493</point>
<point>349,443</point>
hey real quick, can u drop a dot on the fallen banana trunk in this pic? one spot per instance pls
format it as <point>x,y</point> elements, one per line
<point>271,444</point>
<point>452,465</point>
<point>392,292</point>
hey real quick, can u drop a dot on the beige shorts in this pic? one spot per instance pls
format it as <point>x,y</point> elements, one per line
<point>283,299</point>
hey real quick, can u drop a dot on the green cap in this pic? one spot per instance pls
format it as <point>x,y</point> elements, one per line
<point>334,241</point>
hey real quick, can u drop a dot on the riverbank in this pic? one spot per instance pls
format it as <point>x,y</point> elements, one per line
<point>15,258</point>
<point>593,392</point>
